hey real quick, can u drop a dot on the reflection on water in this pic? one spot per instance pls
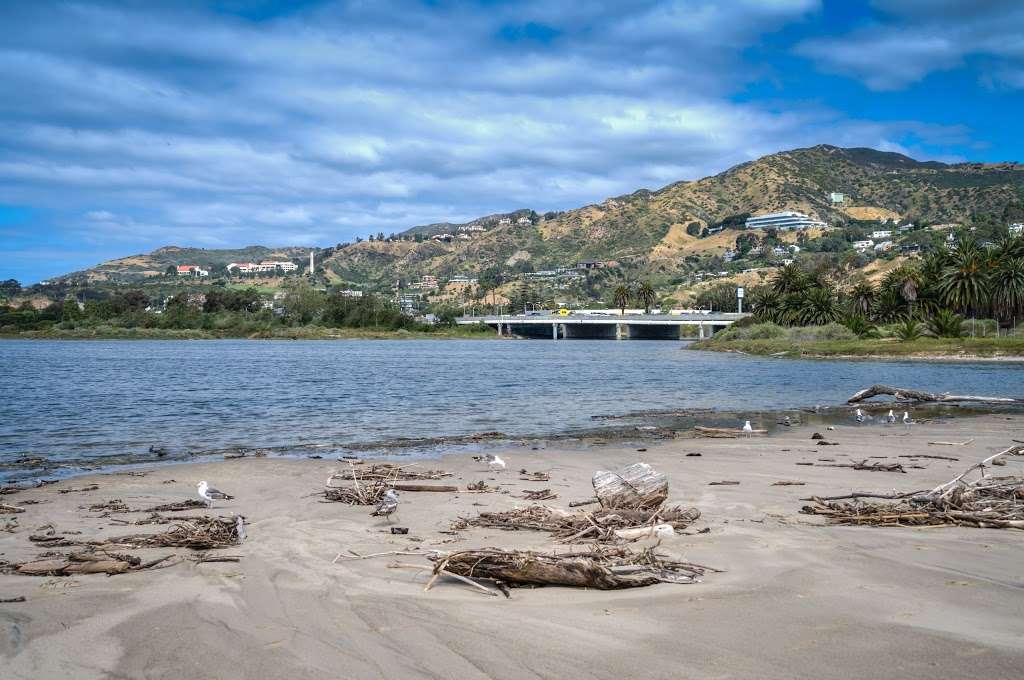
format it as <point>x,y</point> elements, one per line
<point>109,402</point>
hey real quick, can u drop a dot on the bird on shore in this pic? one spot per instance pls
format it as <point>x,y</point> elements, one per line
<point>494,462</point>
<point>860,416</point>
<point>387,506</point>
<point>209,494</point>
<point>748,429</point>
<point>891,418</point>
<point>906,420</point>
<point>786,421</point>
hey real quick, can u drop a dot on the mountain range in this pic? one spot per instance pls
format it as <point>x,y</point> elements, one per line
<point>652,231</point>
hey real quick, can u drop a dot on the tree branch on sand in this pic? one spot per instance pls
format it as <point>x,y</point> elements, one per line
<point>907,394</point>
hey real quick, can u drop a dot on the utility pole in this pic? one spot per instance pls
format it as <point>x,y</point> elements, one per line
<point>739,299</point>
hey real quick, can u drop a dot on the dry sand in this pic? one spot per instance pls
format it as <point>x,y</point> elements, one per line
<point>798,599</point>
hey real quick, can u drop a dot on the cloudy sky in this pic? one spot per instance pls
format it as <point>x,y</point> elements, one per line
<point>127,125</point>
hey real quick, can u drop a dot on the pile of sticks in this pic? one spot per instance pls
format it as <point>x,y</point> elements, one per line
<point>604,568</point>
<point>602,526</point>
<point>367,493</point>
<point>986,502</point>
<point>197,533</point>
<point>389,472</point>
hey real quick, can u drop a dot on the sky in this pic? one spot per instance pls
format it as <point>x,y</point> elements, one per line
<point>126,126</point>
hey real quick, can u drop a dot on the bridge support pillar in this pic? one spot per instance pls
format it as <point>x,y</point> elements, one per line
<point>499,329</point>
<point>554,331</point>
<point>700,331</point>
<point>620,331</point>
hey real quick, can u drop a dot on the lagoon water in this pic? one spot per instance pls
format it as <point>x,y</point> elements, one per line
<point>78,405</point>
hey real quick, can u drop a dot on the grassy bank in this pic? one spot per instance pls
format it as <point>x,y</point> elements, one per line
<point>281,333</point>
<point>836,341</point>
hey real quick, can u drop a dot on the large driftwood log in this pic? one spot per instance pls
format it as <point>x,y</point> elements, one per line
<point>539,569</point>
<point>906,394</point>
<point>634,486</point>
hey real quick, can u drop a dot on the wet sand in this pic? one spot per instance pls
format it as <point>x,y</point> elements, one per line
<point>797,599</point>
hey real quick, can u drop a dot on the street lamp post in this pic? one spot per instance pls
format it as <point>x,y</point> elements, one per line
<point>739,299</point>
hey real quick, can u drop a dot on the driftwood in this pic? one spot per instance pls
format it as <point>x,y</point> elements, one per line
<point>907,394</point>
<point>406,486</point>
<point>600,525</point>
<point>200,533</point>
<point>85,562</point>
<point>604,568</point>
<point>539,495</point>
<point>634,486</point>
<point>724,482</point>
<point>985,502</point>
<point>12,600</point>
<point>390,472</point>
<point>71,489</point>
<point>190,504</point>
<point>725,431</point>
<point>950,443</point>
<point>10,509</point>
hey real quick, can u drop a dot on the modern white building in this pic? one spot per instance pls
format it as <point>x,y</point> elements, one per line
<point>789,219</point>
<point>836,198</point>
<point>882,233</point>
<point>863,245</point>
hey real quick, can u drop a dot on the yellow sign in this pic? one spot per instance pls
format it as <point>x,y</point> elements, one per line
<point>563,312</point>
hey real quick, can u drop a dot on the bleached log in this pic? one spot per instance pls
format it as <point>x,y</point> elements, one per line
<point>637,533</point>
<point>907,394</point>
<point>634,486</point>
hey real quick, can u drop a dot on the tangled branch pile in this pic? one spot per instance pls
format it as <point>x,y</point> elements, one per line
<point>389,472</point>
<point>199,533</point>
<point>572,527</point>
<point>358,494</point>
<point>986,502</point>
<point>604,568</point>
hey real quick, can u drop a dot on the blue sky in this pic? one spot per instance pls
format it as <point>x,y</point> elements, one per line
<point>125,126</point>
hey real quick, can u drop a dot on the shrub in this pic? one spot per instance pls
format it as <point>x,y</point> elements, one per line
<point>908,331</point>
<point>861,327</point>
<point>762,331</point>
<point>831,331</point>
<point>946,324</point>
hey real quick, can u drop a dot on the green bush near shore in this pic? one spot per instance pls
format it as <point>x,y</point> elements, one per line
<point>796,344</point>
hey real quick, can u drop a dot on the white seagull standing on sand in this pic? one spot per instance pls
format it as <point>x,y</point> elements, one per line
<point>387,505</point>
<point>891,418</point>
<point>747,428</point>
<point>906,420</point>
<point>860,416</point>
<point>209,494</point>
<point>494,462</point>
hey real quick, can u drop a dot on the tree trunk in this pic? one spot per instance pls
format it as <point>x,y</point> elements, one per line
<point>907,394</point>
<point>527,569</point>
<point>635,486</point>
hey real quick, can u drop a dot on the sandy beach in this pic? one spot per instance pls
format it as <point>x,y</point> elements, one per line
<point>797,599</point>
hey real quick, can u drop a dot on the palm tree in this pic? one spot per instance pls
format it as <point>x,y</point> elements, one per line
<point>790,279</point>
<point>946,324</point>
<point>818,307</point>
<point>861,296</point>
<point>909,330</point>
<point>622,297</point>
<point>765,304</point>
<point>646,296</point>
<point>1008,288</point>
<point>964,282</point>
<point>887,306</point>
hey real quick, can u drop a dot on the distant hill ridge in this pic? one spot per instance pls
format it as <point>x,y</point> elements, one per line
<point>648,229</point>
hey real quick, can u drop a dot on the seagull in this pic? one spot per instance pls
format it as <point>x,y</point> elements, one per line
<point>786,422</point>
<point>891,418</point>
<point>387,505</point>
<point>906,420</point>
<point>860,416</point>
<point>494,462</point>
<point>748,429</point>
<point>209,494</point>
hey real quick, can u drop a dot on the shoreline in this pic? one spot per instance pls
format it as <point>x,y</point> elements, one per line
<point>797,598</point>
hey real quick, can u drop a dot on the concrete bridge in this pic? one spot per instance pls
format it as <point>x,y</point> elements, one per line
<point>608,327</point>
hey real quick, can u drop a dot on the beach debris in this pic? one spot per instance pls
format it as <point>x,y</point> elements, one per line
<point>724,482</point>
<point>822,442</point>
<point>115,505</point>
<point>534,476</point>
<point>388,472</point>
<point>89,561</point>
<point>210,494</point>
<point>693,455</point>
<point>787,482</point>
<point>178,506</point>
<point>969,441</point>
<point>726,432</point>
<point>12,600</point>
<point>478,486</point>
<point>71,489</point>
<point>634,486</point>
<point>10,509</point>
<point>411,486</point>
<point>601,568</point>
<point>588,501</point>
<point>817,436</point>
<point>196,533</point>
<point>540,495</point>
<point>387,506</point>
<point>907,394</point>
<point>922,455</point>
<point>572,527</point>
<point>985,502</point>
<point>400,531</point>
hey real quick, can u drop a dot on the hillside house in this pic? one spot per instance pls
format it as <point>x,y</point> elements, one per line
<point>882,233</point>
<point>505,222</point>
<point>863,245</point>
<point>590,264</point>
<point>523,221</point>
<point>191,270</point>
<point>883,247</point>
<point>442,238</point>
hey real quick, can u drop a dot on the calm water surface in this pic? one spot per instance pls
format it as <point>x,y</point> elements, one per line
<point>81,404</point>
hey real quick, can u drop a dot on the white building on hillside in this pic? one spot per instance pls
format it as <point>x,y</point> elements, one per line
<point>882,233</point>
<point>784,220</point>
